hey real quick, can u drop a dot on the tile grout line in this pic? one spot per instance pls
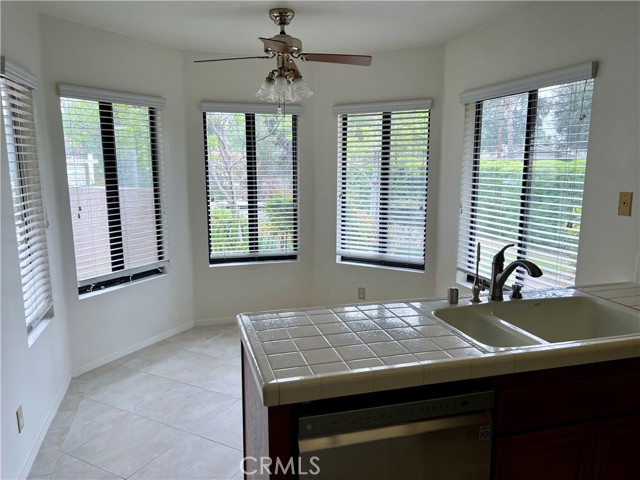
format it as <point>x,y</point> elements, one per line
<point>166,341</point>
<point>172,380</point>
<point>83,395</point>
<point>89,463</point>
<point>162,423</point>
<point>364,343</point>
<point>168,425</point>
<point>154,459</point>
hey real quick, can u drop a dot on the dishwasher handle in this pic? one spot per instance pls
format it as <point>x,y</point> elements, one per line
<point>481,419</point>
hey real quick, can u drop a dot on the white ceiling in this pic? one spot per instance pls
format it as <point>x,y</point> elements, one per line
<point>323,26</point>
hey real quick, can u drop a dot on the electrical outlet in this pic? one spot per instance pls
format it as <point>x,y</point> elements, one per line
<point>361,293</point>
<point>624,204</point>
<point>20,419</point>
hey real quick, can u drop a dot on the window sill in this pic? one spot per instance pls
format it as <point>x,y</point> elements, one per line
<point>240,263</point>
<point>33,335</point>
<point>113,288</point>
<point>461,281</point>
<point>381,267</point>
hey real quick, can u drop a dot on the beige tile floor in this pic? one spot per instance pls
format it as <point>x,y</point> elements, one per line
<point>168,411</point>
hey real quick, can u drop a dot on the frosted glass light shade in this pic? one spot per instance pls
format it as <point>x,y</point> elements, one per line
<point>282,91</point>
<point>266,90</point>
<point>300,90</point>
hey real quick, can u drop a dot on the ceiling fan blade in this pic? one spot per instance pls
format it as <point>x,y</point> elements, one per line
<point>232,58</point>
<point>363,60</point>
<point>275,45</point>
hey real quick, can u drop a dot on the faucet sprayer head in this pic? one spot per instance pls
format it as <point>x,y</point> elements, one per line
<point>498,259</point>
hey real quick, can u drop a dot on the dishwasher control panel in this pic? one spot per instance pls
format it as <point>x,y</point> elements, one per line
<point>367,418</point>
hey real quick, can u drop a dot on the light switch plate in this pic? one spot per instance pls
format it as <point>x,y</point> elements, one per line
<point>624,204</point>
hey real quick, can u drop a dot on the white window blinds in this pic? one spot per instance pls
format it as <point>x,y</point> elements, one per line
<point>382,183</point>
<point>26,190</point>
<point>114,171</point>
<point>252,183</point>
<point>523,177</point>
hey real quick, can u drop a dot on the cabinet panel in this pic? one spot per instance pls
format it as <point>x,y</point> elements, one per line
<point>555,454</point>
<point>618,449</point>
<point>566,401</point>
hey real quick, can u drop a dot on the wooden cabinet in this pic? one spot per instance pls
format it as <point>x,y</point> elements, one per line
<point>618,449</point>
<point>579,423</point>
<point>605,450</point>
<point>559,453</point>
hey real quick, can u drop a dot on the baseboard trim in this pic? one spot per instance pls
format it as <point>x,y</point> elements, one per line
<point>45,427</point>
<point>132,348</point>
<point>205,322</point>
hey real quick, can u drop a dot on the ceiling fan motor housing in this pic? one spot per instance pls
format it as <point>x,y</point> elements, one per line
<point>282,17</point>
<point>294,44</point>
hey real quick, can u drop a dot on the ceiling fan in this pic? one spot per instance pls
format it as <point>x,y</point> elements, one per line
<point>284,83</point>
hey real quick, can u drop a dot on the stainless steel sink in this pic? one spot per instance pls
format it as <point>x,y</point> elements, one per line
<point>540,321</point>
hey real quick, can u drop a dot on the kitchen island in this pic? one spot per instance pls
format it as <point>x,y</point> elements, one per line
<point>305,362</point>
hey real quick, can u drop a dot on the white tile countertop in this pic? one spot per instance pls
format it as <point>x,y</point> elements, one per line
<point>315,353</point>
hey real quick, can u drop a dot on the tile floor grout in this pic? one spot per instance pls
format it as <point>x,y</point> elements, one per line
<point>158,421</point>
<point>177,381</point>
<point>206,435</point>
<point>58,459</point>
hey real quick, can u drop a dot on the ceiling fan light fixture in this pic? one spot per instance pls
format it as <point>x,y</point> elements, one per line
<point>266,90</point>
<point>280,82</point>
<point>281,91</point>
<point>284,84</point>
<point>300,89</point>
<point>277,88</point>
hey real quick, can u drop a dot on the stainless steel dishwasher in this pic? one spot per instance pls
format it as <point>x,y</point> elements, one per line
<point>446,438</point>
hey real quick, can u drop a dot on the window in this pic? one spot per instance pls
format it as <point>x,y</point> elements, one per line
<point>16,86</point>
<point>114,171</point>
<point>382,183</point>
<point>251,158</point>
<point>525,154</point>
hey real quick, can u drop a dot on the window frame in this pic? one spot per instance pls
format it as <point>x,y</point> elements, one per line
<point>250,111</point>
<point>106,99</point>
<point>387,111</point>
<point>475,98</point>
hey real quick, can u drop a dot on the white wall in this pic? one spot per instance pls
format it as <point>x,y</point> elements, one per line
<point>508,48</point>
<point>32,377</point>
<point>221,292</point>
<point>541,37</point>
<point>401,75</point>
<point>92,330</point>
<point>111,323</point>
